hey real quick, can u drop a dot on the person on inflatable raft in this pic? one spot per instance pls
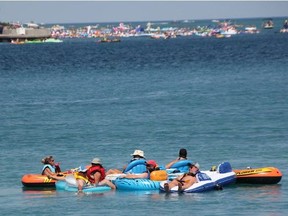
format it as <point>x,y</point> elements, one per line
<point>182,156</point>
<point>184,181</point>
<point>51,169</point>
<point>137,155</point>
<point>151,166</point>
<point>94,175</point>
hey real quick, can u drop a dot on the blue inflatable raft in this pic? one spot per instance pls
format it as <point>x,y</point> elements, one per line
<point>62,185</point>
<point>136,184</point>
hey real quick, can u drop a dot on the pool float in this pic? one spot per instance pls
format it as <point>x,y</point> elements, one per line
<point>265,175</point>
<point>222,175</point>
<point>70,184</point>
<point>136,166</point>
<point>37,180</point>
<point>63,185</point>
<point>208,180</point>
<point>153,183</point>
<point>204,183</point>
<point>181,166</point>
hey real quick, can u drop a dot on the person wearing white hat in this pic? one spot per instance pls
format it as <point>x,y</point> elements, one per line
<point>137,155</point>
<point>94,175</point>
<point>151,166</point>
<point>184,181</point>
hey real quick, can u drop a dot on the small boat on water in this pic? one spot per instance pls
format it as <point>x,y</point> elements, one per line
<point>268,24</point>
<point>265,175</point>
<point>108,40</point>
<point>53,40</point>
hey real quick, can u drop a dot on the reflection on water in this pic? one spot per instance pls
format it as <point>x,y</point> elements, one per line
<point>34,192</point>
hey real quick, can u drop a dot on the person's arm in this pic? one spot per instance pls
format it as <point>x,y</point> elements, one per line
<point>52,175</point>
<point>97,176</point>
<point>142,175</point>
<point>188,183</point>
<point>171,163</point>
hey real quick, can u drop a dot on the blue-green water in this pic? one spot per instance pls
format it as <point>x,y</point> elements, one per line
<point>222,99</point>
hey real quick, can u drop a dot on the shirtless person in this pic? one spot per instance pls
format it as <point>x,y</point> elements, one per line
<point>184,181</point>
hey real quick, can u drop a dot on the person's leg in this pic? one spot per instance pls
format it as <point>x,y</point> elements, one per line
<point>80,184</point>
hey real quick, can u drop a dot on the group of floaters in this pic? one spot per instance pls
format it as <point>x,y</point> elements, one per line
<point>180,175</point>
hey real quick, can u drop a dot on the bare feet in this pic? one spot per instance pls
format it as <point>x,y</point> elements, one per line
<point>166,187</point>
<point>180,187</point>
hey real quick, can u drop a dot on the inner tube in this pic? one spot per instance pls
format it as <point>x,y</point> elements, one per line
<point>182,165</point>
<point>136,166</point>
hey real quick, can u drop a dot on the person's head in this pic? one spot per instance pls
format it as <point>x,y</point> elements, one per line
<point>138,154</point>
<point>183,153</point>
<point>194,168</point>
<point>151,165</point>
<point>96,161</point>
<point>48,160</point>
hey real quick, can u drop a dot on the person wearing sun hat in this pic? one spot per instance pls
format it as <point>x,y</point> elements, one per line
<point>136,155</point>
<point>151,166</point>
<point>94,175</point>
<point>184,181</point>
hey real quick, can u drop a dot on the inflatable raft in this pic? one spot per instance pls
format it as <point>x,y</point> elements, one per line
<point>153,183</point>
<point>136,184</point>
<point>37,180</point>
<point>209,180</point>
<point>70,184</point>
<point>265,175</point>
<point>63,185</point>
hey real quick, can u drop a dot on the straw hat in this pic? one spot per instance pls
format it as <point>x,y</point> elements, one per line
<point>139,153</point>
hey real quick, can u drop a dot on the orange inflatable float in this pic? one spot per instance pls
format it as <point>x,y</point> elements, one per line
<point>265,175</point>
<point>37,180</point>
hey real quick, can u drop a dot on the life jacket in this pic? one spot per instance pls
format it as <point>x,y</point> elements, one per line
<point>48,166</point>
<point>92,170</point>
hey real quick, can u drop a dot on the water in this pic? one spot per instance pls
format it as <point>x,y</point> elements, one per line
<point>222,99</point>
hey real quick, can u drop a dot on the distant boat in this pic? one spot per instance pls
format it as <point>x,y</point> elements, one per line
<point>108,40</point>
<point>53,40</point>
<point>268,24</point>
<point>32,25</point>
